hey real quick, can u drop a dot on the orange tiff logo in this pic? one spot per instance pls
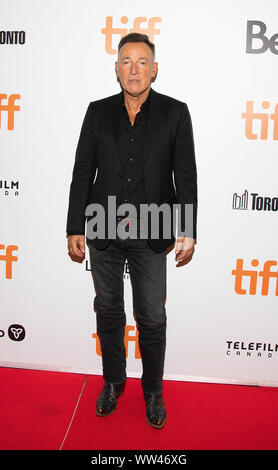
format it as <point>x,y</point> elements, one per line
<point>127,339</point>
<point>8,258</point>
<point>263,125</point>
<point>109,30</point>
<point>10,108</point>
<point>252,276</point>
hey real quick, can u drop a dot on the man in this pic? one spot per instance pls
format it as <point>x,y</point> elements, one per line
<point>136,141</point>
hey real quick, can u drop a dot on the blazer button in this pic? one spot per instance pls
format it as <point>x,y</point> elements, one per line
<point>120,175</point>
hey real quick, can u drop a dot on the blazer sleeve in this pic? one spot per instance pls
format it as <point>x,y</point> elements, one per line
<point>84,171</point>
<point>185,175</point>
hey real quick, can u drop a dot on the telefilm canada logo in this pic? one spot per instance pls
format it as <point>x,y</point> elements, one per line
<point>9,187</point>
<point>255,202</point>
<point>251,349</point>
<point>16,332</point>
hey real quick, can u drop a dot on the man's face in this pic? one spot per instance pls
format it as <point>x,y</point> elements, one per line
<point>135,67</point>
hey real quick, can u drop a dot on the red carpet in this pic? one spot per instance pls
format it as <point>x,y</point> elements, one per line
<point>53,410</point>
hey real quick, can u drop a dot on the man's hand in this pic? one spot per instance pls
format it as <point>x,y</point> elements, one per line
<point>76,247</point>
<point>184,250</point>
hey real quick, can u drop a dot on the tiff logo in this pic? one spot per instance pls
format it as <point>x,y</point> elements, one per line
<point>8,258</point>
<point>128,338</point>
<point>109,30</point>
<point>10,108</point>
<point>252,276</point>
<point>264,119</point>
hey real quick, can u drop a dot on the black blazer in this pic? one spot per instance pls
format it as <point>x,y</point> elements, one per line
<point>168,152</point>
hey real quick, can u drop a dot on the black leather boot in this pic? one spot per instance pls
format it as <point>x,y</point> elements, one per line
<point>107,399</point>
<point>155,409</point>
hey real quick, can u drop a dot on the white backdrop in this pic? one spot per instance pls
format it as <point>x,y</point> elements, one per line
<point>221,327</point>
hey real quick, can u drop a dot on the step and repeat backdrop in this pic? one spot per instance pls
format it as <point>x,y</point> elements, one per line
<point>221,59</point>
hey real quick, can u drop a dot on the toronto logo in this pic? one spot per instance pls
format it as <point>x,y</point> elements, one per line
<point>258,202</point>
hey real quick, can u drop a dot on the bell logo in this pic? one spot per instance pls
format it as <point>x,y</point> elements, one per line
<point>127,339</point>
<point>259,36</point>
<point>10,108</point>
<point>264,119</point>
<point>8,258</point>
<point>109,30</point>
<point>252,275</point>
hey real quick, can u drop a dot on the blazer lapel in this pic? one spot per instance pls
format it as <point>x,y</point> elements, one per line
<point>115,118</point>
<point>152,123</point>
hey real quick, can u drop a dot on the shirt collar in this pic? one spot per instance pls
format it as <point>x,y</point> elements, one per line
<point>143,106</point>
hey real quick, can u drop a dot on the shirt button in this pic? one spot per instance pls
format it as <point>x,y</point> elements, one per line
<point>131,159</point>
<point>128,179</point>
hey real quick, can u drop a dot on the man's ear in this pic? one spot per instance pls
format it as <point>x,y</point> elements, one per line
<point>116,70</point>
<point>154,71</point>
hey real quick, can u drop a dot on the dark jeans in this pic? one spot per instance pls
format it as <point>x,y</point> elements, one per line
<point>147,270</point>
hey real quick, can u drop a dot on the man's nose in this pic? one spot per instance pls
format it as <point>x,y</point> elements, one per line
<point>133,69</point>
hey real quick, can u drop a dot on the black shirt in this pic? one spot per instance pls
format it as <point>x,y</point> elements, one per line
<point>132,137</point>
